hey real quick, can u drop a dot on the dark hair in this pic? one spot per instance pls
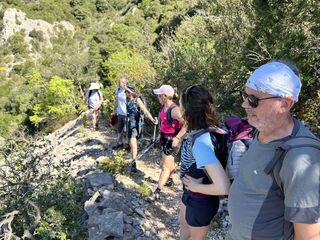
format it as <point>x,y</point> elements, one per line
<point>131,88</point>
<point>289,64</point>
<point>174,98</point>
<point>198,109</point>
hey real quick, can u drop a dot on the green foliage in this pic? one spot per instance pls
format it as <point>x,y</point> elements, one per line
<point>115,164</point>
<point>48,10</point>
<point>215,43</point>
<point>17,44</point>
<point>145,190</point>
<point>36,35</point>
<point>55,98</point>
<point>8,124</point>
<point>41,193</point>
<point>311,113</point>
<point>131,64</point>
<point>61,218</point>
<point>85,121</point>
<point>109,98</point>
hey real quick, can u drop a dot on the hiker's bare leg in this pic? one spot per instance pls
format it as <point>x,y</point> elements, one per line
<point>186,231</point>
<point>167,169</point>
<point>94,117</point>
<point>199,233</point>
<point>134,147</point>
<point>184,227</point>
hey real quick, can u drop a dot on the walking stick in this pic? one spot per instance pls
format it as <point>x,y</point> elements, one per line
<point>147,148</point>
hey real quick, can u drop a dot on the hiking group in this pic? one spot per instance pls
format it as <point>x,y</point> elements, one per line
<point>268,165</point>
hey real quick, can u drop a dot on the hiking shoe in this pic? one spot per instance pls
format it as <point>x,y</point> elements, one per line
<point>169,182</point>
<point>118,146</point>
<point>133,167</point>
<point>155,196</point>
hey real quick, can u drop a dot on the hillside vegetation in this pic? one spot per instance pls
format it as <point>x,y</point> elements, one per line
<point>215,43</point>
<point>51,51</point>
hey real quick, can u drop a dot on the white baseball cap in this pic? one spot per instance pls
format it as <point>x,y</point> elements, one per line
<point>164,89</point>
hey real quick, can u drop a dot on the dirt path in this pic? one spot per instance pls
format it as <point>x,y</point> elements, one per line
<point>160,220</point>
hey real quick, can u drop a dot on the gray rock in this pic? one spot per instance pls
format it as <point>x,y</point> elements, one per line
<point>112,223</point>
<point>115,201</point>
<point>97,180</point>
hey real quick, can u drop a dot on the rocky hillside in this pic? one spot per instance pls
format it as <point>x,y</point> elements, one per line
<point>15,21</point>
<point>114,207</point>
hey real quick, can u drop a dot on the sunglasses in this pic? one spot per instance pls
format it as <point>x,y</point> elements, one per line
<point>253,100</point>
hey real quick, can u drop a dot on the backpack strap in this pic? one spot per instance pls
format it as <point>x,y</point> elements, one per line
<point>219,139</point>
<point>275,165</point>
<point>169,114</point>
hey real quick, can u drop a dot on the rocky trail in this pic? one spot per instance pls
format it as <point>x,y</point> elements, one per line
<point>115,209</point>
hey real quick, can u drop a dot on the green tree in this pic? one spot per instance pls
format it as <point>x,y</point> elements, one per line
<point>56,99</point>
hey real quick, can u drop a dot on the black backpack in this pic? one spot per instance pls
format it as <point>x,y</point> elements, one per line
<point>219,139</point>
<point>140,116</point>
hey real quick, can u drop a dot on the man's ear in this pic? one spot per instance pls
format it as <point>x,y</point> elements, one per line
<point>287,103</point>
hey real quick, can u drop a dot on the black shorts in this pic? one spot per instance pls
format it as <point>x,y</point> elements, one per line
<point>200,210</point>
<point>121,122</point>
<point>164,138</point>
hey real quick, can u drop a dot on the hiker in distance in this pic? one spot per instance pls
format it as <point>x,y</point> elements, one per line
<point>203,177</point>
<point>171,132</point>
<point>94,100</point>
<point>285,203</point>
<point>135,109</point>
<point>120,109</point>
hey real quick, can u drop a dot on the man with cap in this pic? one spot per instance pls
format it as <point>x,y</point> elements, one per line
<point>95,99</point>
<point>257,208</point>
<point>134,106</point>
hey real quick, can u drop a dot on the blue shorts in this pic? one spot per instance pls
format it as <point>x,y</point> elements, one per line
<point>200,210</point>
<point>132,130</point>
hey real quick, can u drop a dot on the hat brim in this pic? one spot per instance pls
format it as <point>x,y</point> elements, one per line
<point>157,91</point>
<point>129,90</point>
<point>93,88</point>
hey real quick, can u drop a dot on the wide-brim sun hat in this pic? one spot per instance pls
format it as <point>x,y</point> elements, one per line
<point>164,89</point>
<point>94,86</point>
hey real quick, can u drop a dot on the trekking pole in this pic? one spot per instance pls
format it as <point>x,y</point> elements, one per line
<point>147,148</point>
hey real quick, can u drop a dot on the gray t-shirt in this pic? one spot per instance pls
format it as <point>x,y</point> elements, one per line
<point>257,210</point>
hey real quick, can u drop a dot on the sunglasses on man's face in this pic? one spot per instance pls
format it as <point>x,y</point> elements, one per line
<point>253,100</point>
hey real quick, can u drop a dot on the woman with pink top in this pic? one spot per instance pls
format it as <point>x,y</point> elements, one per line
<point>171,132</point>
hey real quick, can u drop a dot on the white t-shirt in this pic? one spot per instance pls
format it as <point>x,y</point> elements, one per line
<point>94,98</point>
<point>122,108</point>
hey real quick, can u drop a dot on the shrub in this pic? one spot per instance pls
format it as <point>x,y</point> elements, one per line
<point>115,164</point>
<point>41,199</point>
<point>145,190</point>
<point>36,35</point>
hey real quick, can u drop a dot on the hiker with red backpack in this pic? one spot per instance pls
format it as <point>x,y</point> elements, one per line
<point>202,174</point>
<point>171,132</point>
<point>94,100</point>
<point>276,193</point>
<point>135,110</point>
